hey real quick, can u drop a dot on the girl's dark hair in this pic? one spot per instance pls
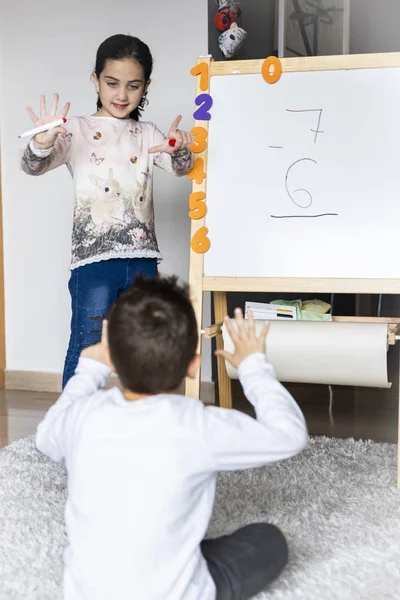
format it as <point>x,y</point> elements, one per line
<point>122,46</point>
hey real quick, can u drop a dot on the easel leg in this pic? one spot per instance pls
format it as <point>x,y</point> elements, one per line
<point>192,386</point>
<point>224,383</point>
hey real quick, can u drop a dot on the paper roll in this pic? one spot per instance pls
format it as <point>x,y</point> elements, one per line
<point>329,353</point>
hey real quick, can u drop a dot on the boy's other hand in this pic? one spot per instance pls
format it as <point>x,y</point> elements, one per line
<point>244,338</point>
<point>96,352</point>
<point>99,351</point>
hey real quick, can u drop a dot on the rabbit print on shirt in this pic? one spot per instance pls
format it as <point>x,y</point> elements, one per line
<point>142,204</point>
<point>107,208</point>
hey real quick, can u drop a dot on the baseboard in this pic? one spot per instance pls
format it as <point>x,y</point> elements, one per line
<point>39,381</point>
<point>34,381</point>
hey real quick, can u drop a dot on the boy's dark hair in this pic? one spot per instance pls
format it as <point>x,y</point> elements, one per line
<point>152,335</point>
<point>122,46</point>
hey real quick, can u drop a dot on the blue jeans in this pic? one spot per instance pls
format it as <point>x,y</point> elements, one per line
<point>94,289</point>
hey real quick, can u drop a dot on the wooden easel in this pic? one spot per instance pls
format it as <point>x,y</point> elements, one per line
<point>220,286</point>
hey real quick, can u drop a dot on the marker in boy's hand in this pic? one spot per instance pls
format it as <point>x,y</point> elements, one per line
<point>244,338</point>
<point>176,140</point>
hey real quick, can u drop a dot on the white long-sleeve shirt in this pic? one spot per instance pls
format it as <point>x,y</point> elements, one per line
<point>112,172</point>
<point>142,475</point>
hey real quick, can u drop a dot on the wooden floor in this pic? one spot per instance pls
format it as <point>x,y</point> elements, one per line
<point>356,412</point>
<point>361,413</point>
<point>21,412</point>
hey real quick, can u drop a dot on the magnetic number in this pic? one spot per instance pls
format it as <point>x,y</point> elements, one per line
<point>271,69</point>
<point>197,205</point>
<point>199,143</point>
<point>200,242</point>
<point>197,173</point>
<point>202,70</point>
<point>204,102</point>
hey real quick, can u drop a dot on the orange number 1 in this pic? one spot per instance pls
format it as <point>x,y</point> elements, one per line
<point>202,70</point>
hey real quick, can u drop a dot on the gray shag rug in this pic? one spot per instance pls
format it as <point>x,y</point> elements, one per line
<point>337,503</point>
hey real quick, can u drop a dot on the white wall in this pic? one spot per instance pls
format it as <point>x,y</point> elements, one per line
<point>58,55</point>
<point>374,26</point>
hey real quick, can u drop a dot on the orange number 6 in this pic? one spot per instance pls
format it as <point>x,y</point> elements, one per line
<point>200,242</point>
<point>197,173</point>
<point>199,143</point>
<point>198,207</point>
<point>271,69</point>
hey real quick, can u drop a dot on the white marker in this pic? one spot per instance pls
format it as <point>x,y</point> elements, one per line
<point>44,128</point>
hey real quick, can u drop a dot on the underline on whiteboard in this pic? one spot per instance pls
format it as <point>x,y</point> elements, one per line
<point>275,146</point>
<point>304,216</point>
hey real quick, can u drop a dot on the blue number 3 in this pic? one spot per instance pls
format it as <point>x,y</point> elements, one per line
<point>204,102</point>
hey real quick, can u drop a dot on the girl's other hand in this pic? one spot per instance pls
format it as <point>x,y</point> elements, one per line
<point>183,139</point>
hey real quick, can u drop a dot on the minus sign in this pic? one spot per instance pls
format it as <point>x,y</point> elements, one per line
<point>275,146</point>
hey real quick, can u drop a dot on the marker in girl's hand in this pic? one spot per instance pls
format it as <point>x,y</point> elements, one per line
<point>172,144</point>
<point>176,138</point>
<point>45,127</point>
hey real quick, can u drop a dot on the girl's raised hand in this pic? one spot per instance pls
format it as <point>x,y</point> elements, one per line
<point>46,140</point>
<point>183,139</point>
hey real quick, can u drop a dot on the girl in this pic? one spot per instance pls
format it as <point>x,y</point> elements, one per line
<point>110,156</point>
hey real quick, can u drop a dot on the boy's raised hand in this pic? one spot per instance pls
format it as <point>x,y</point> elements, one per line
<point>244,338</point>
<point>46,140</point>
<point>99,351</point>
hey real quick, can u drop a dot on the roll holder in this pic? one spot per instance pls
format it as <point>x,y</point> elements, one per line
<point>225,384</point>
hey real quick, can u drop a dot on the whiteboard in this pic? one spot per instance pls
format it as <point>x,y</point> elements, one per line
<point>303,176</point>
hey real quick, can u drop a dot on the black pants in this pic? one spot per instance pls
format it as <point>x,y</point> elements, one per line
<point>243,563</point>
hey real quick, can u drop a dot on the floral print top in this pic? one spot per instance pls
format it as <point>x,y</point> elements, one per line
<point>112,172</point>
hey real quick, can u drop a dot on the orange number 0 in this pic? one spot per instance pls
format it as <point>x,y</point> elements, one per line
<point>271,75</point>
<point>199,143</point>
<point>200,242</point>
<point>202,70</point>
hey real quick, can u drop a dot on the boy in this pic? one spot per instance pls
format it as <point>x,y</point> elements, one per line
<point>142,463</point>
